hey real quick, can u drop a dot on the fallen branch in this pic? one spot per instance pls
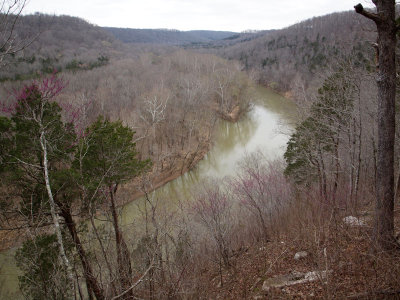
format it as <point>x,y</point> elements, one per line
<point>135,284</point>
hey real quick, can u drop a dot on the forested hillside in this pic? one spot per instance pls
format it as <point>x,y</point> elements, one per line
<point>168,37</point>
<point>171,97</point>
<point>94,118</point>
<point>57,43</point>
<point>301,54</point>
<point>77,74</point>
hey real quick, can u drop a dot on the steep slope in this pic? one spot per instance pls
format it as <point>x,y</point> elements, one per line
<point>297,54</point>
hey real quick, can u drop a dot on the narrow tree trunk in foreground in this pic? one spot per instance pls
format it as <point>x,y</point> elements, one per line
<point>54,215</point>
<point>123,256</point>
<point>91,281</point>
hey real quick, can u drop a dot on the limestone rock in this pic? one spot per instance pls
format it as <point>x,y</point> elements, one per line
<point>354,221</point>
<point>300,255</point>
<point>292,279</point>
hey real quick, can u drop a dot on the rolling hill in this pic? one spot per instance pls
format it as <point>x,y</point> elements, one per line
<point>167,36</point>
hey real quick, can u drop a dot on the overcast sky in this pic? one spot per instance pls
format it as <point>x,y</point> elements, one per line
<point>231,15</point>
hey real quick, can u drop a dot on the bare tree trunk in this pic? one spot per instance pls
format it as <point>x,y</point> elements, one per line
<point>78,286</point>
<point>337,163</point>
<point>89,291</point>
<point>375,162</point>
<point>359,149</point>
<point>123,256</point>
<point>384,19</point>
<point>351,156</point>
<point>53,212</point>
<point>384,219</point>
<point>104,253</point>
<point>323,175</point>
<point>397,187</point>
<point>319,180</point>
<point>91,281</point>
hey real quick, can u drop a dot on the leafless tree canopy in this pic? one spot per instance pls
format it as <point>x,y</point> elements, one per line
<point>10,44</point>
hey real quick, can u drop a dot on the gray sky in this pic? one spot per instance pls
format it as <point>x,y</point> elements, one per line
<point>232,15</point>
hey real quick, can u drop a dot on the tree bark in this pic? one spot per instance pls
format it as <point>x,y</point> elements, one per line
<point>384,19</point>
<point>114,289</point>
<point>123,256</point>
<point>54,215</point>
<point>91,281</point>
<point>337,163</point>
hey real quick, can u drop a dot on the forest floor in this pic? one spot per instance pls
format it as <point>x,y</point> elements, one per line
<point>354,271</point>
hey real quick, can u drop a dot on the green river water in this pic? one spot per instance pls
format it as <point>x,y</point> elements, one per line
<point>265,127</point>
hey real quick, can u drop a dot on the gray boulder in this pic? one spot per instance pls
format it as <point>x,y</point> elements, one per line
<point>354,221</point>
<point>300,255</point>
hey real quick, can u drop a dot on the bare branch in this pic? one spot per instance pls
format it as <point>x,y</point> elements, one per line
<point>135,284</point>
<point>372,16</point>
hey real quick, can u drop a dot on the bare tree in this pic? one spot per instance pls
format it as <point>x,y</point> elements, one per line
<point>10,11</point>
<point>213,211</point>
<point>154,109</point>
<point>384,19</point>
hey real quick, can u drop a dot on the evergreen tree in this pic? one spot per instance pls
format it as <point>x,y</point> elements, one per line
<point>110,159</point>
<point>318,136</point>
<point>43,276</point>
<point>36,162</point>
<point>39,144</point>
